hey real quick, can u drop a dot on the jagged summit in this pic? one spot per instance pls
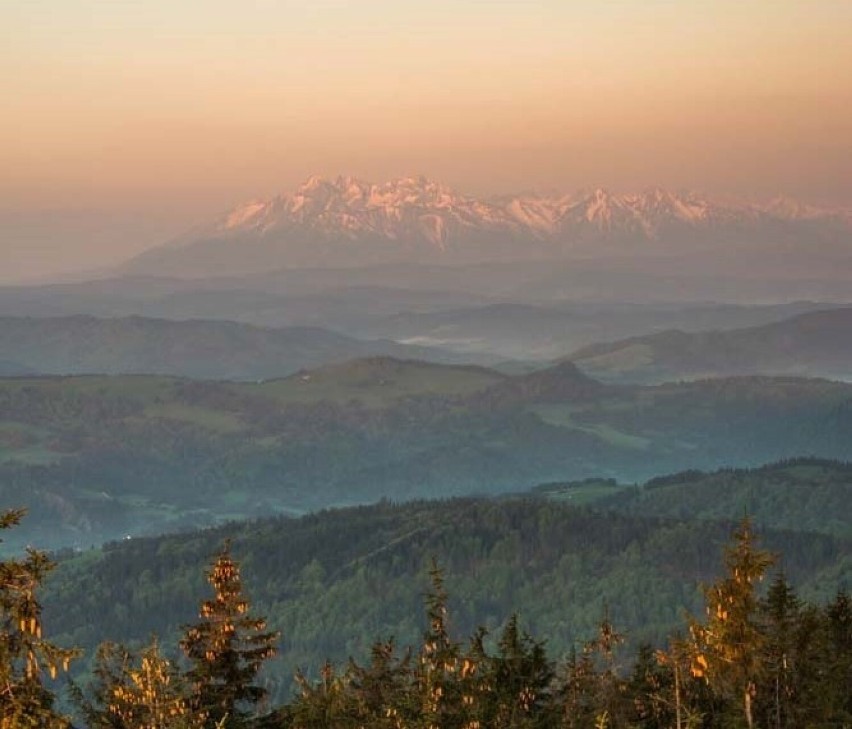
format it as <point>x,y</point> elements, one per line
<point>345,199</point>
<point>349,221</point>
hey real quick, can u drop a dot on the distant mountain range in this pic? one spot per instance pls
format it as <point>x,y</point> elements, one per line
<point>347,221</point>
<point>196,348</point>
<point>547,332</point>
<point>710,341</point>
<point>812,344</point>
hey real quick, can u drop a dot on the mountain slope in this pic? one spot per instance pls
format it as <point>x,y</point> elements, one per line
<point>347,222</point>
<point>196,348</point>
<point>812,344</point>
<point>799,494</point>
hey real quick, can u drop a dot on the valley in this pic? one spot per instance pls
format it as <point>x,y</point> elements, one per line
<point>105,456</point>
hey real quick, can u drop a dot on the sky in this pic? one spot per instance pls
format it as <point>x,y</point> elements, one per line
<point>124,123</point>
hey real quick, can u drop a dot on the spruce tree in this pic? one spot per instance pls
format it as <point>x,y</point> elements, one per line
<point>326,703</point>
<point>729,646</point>
<point>383,688</point>
<point>652,688</point>
<point>835,691</point>
<point>226,649</point>
<point>144,693</point>
<point>448,682</point>
<point>781,619</point>
<point>520,676</point>
<point>439,659</point>
<point>25,656</point>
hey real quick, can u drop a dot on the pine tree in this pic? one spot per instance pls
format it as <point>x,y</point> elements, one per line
<point>448,682</point>
<point>610,688</point>
<point>728,648</point>
<point>519,676</point>
<point>24,655</point>
<point>835,690</point>
<point>226,649</point>
<point>577,690</point>
<point>326,703</point>
<point>781,612</point>
<point>383,689</point>
<point>150,695</point>
<point>439,659</point>
<point>676,697</point>
<point>651,686</point>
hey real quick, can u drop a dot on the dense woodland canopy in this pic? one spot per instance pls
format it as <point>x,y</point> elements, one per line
<point>755,654</point>
<point>332,581</point>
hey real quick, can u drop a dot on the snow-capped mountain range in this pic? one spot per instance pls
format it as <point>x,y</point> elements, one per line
<point>347,221</point>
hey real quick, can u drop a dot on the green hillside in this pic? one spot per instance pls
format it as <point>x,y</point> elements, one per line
<point>335,581</point>
<point>97,457</point>
<point>800,494</point>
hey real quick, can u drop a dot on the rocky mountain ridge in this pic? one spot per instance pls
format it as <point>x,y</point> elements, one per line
<point>348,221</point>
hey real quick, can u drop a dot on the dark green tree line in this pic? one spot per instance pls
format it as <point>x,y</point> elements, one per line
<point>758,658</point>
<point>25,656</point>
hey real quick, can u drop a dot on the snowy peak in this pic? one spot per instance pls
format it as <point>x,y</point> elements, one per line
<point>347,221</point>
<point>418,206</point>
<point>242,214</point>
<point>789,209</point>
<point>349,207</point>
<point>660,204</point>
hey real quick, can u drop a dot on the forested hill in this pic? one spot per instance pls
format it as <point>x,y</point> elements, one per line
<point>800,494</point>
<point>333,582</point>
<point>814,344</point>
<point>98,458</point>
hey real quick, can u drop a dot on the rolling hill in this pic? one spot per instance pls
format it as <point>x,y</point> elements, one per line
<point>101,457</point>
<point>195,348</point>
<point>799,494</point>
<point>813,344</point>
<point>486,313</point>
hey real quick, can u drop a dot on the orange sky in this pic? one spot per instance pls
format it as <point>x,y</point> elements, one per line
<point>124,122</point>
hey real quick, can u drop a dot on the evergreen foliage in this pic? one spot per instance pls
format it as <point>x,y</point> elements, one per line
<point>25,656</point>
<point>729,646</point>
<point>129,691</point>
<point>760,658</point>
<point>226,648</point>
<point>145,693</point>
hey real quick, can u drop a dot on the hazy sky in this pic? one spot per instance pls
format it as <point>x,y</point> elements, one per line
<point>122,123</point>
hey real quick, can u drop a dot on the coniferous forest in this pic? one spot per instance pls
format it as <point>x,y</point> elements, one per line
<point>754,655</point>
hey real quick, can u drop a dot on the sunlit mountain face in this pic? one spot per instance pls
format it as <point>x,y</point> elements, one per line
<point>347,221</point>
